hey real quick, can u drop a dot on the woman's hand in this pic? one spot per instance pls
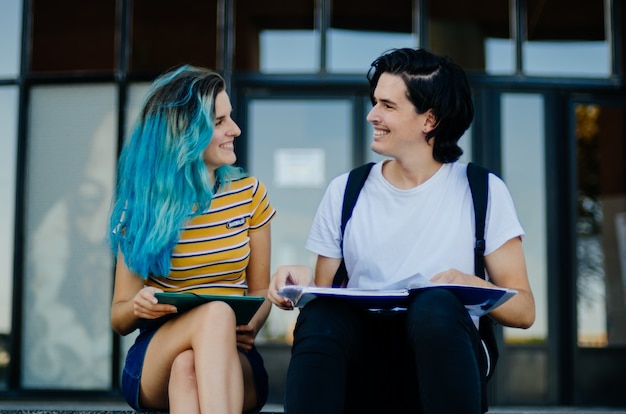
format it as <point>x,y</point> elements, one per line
<point>284,276</point>
<point>245,337</point>
<point>146,305</point>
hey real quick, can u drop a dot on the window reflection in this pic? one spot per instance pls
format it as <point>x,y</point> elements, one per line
<point>601,225</point>
<point>68,265</point>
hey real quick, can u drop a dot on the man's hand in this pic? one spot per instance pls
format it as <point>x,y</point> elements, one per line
<point>284,276</point>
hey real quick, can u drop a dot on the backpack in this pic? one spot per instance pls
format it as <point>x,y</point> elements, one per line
<point>478,178</point>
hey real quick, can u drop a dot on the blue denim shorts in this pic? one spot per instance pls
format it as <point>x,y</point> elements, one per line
<point>131,375</point>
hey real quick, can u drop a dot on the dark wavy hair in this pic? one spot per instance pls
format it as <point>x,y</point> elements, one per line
<point>432,82</point>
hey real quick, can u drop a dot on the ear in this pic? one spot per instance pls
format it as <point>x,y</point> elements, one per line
<point>429,122</point>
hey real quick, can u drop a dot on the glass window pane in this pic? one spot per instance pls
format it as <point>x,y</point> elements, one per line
<point>354,51</point>
<point>289,51</point>
<point>68,271</point>
<point>8,154</point>
<point>475,34</point>
<point>358,35</point>
<point>11,34</point>
<point>165,34</point>
<point>136,95</point>
<point>276,36</point>
<point>523,169</point>
<point>73,35</point>
<point>296,165</point>
<point>601,224</point>
<point>565,40</point>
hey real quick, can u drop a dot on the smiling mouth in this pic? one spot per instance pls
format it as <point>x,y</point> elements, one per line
<point>380,133</point>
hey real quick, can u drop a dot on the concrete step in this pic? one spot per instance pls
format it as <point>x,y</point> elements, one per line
<point>77,407</point>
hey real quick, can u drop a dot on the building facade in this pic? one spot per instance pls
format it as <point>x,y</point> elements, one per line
<point>548,79</point>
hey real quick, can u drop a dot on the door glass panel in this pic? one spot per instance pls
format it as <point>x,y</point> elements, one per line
<point>601,224</point>
<point>523,169</point>
<point>67,338</point>
<point>571,46</point>
<point>8,155</point>
<point>295,148</point>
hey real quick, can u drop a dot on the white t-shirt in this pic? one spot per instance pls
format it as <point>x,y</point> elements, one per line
<point>396,233</point>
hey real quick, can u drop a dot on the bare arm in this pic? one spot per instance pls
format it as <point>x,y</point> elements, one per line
<point>258,279</point>
<point>132,301</point>
<point>507,268</point>
<point>258,272</point>
<point>325,270</point>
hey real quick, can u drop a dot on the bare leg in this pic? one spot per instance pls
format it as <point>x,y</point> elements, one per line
<point>183,386</point>
<point>249,388</point>
<point>209,332</point>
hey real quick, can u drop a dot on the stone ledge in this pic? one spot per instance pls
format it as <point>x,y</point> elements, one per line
<point>78,407</point>
<point>74,407</point>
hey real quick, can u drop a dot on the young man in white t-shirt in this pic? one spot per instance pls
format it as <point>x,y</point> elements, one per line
<point>414,215</point>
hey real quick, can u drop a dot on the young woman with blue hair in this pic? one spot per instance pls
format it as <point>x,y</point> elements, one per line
<point>185,219</point>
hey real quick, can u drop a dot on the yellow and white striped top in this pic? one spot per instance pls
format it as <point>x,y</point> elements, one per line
<point>213,250</point>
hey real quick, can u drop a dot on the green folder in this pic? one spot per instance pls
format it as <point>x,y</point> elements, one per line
<point>244,306</point>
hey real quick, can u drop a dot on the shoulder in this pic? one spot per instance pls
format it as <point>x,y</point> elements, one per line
<point>249,183</point>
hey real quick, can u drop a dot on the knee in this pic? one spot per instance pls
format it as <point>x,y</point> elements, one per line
<point>183,371</point>
<point>435,310</point>
<point>217,316</point>
<point>322,321</point>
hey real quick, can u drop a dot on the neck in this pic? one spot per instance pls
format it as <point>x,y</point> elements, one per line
<point>406,175</point>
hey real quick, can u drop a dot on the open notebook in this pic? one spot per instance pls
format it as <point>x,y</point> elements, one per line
<point>477,300</point>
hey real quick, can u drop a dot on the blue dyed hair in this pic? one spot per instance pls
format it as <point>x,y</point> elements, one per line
<point>162,179</point>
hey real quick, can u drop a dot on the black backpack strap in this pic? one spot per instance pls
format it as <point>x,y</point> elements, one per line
<point>478,178</point>
<point>356,180</point>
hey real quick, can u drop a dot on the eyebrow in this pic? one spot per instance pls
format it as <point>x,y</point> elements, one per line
<point>222,116</point>
<point>386,101</point>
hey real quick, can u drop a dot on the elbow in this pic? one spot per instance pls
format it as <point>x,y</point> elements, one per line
<point>527,320</point>
<point>119,328</point>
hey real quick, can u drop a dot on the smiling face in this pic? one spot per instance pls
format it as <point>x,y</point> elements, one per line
<point>398,128</point>
<point>221,149</point>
